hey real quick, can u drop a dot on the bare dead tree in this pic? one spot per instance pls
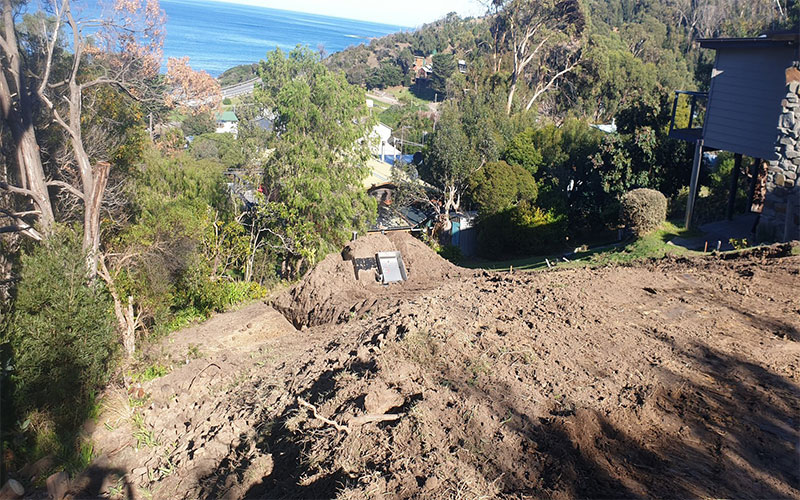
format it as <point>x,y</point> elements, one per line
<point>125,54</point>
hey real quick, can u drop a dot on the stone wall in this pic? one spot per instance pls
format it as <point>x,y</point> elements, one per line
<point>780,219</point>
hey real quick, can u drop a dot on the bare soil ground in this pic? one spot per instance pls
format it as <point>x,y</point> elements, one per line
<point>671,378</point>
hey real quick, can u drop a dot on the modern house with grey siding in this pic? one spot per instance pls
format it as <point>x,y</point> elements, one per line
<point>743,112</point>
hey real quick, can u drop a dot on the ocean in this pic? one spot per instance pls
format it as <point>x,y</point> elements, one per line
<point>217,35</point>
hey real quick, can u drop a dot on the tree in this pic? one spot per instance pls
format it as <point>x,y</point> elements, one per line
<point>17,103</point>
<point>451,160</point>
<point>194,90</point>
<point>521,151</point>
<point>313,197</point>
<point>543,35</point>
<point>499,186</point>
<point>198,124</point>
<point>444,65</point>
<point>125,53</point>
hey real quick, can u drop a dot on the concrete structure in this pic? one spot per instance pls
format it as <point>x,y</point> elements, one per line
<point>379,144</point>
<point>744,112</point>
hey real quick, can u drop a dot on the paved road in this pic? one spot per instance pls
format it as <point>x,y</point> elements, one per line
<point>240,88</point>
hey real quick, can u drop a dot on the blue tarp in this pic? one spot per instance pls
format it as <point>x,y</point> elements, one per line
<point>392,159</point>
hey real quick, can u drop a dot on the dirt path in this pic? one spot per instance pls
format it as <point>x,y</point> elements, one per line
<point>675,378</point>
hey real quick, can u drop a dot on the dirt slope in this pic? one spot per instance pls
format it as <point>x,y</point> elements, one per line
<point>673,378</point>
<point>332,292</point>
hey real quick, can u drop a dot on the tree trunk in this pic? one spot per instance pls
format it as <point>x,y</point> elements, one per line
<point>17,106</point>
<point>94,186</point>
<point>511,93</point>
<point>126,319</point>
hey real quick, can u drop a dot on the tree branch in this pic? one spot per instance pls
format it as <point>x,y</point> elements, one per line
<point>68,187</point>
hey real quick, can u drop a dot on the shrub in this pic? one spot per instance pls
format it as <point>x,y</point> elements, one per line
<point>499,186</point>
<point>521,230</point>
<point>198,124</point>
<point>62,342</point>
<point>226,101</point>
<point>643,210</point>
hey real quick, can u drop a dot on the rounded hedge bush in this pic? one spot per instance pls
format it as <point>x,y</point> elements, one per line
<point>643,210</point>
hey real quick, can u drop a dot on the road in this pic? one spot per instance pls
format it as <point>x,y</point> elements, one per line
<point>239,89</point>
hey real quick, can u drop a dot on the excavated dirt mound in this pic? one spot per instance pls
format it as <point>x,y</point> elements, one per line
<point>331,292</point>
<point>675,378</point>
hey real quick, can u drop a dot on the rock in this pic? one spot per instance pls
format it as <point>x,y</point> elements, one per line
<point>38,467</point>
<point>11,490</point>
<point>381,401</point>
<point>57,485</point>
<point>139,471</point>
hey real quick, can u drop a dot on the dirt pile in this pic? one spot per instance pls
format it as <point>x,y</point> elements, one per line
<point>675,378</point>
<point>333,291</point>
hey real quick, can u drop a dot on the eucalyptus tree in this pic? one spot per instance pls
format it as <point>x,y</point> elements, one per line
<point>313,196</point>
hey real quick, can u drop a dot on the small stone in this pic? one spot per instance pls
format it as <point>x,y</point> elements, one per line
<point>790,175</point>
<point>793,87</point>
<point>139,471</point>
<point>779,179</point>
<point>792,97</point>
<point>57,485</point>
<point>791,153</point>
<point>11,490</point>
<point>788,183</point>
<point>787,141</point>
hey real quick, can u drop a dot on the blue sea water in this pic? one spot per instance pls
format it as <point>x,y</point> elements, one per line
<point>217,35</point>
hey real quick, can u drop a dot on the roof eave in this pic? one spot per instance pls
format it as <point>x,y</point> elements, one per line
<point>743,43</point>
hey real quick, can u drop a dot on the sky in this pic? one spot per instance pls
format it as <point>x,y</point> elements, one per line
<point>410,13</point>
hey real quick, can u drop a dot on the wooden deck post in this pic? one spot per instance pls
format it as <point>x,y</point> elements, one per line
<point>698,158</point>
<point>737,166</point>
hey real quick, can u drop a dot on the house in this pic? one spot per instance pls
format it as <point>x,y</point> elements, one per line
<point>462,66</point>
<point>380,146</point>
<point>423,67</point>
<point>227,123</point>
<point>751,109</point>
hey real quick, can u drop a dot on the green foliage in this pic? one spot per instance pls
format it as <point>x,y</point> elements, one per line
<point>521,230</point>
<point>238,74</point>
<point>498,186</point>
<point>198,124</point>
<point>444,65</point>
<point>643,210</point>
<point>451,253</point>
<point>222,148</point>
<point>314,198</point>
<point>62,344</point>
<point>227,101</point>
<point>152,372</point>
<point>192,253</point>
<point>522,151</point>
<point>388,74</point>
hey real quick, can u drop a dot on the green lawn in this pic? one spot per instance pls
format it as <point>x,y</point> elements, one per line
<point>404,95</point>
<point>651,245</point>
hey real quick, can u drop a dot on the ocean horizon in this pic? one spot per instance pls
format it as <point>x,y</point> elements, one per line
<point>219,35</point>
